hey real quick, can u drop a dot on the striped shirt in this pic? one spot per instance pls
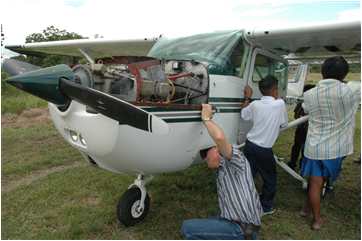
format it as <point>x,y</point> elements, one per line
<point>237,195</point>
<point>331,107</point>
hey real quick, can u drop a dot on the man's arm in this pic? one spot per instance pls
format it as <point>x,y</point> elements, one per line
<point>216,132</point>
<point>284,120</point>
<point>246,112</point>
<point>248,92</point>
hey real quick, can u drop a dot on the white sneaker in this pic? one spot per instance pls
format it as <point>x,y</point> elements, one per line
<point>268,212</point>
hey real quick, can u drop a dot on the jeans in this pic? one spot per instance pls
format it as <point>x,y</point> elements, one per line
<point>262,161</point>
<point>212,228</point>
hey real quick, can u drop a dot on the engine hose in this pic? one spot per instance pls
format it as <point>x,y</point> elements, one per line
<point>169,97</point>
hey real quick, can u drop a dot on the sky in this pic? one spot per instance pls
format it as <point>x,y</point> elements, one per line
<point>131,19</point>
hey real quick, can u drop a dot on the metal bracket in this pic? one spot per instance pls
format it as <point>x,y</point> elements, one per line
<point>140,183</point>
<point>89,59</point>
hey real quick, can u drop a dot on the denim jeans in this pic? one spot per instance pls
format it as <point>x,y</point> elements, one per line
<point>212,228</point>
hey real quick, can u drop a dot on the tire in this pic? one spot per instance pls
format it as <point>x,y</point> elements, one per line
<point>126,212</point>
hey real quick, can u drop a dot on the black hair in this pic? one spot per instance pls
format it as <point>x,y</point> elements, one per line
<point>203,153</point>
<point>308,87</point>
<point>267,83</point>
<point>335,68</point>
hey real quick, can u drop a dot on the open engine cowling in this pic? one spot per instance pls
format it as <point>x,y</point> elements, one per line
<point>172,81</point>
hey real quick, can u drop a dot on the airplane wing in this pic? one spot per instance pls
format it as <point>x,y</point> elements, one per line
<point>95,48</point>
<point>329,38</point>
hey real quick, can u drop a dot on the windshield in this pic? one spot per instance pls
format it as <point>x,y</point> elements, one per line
<point>217,49</point>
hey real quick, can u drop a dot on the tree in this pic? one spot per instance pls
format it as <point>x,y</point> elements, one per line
<point>51,33</point>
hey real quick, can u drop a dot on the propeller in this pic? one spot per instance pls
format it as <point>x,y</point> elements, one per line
<point>56,84</point>
<point>15,67</point>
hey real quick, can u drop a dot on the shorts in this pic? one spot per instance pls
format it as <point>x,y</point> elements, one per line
<point>322,168</point>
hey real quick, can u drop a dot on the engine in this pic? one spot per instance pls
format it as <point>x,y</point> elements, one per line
<point>172,81</point>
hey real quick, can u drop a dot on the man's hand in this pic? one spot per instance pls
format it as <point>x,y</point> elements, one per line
<point>248,91</point>
<point>206,113</point>
<point>216,132</point>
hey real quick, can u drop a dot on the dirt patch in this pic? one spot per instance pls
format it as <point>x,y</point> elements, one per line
<point>26,118</point>
<point>92,201</point>
<point>36,175</point>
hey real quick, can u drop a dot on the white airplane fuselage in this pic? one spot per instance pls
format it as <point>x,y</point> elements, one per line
<point>125,149</point>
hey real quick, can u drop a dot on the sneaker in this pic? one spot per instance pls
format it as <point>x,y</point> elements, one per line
<point>268,211</point>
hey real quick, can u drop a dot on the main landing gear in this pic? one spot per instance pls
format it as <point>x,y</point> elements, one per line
<point>134,204</point>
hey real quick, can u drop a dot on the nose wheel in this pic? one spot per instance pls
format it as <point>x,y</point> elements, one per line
<point>134,204</point>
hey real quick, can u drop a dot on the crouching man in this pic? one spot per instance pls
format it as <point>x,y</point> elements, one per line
<point>240,208</point>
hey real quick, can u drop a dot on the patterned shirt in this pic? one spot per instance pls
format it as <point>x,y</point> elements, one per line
<point>331,107</point>
<point>238,198</point>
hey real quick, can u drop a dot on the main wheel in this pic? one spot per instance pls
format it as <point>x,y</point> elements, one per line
<point>128,212</point>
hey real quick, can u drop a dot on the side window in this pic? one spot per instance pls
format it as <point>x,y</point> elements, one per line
<point>264,66</point>
<point>236,59</point>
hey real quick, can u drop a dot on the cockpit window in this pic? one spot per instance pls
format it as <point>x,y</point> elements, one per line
<point>221,51</point>
<point>265,65</point>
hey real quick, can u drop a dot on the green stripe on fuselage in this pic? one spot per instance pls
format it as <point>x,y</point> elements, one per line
<point>177,120</point>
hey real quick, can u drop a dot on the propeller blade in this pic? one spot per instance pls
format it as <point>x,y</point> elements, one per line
<point>15,67</point>
<point>119,110</point>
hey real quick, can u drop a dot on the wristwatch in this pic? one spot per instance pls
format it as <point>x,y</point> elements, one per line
<point>207,119</point>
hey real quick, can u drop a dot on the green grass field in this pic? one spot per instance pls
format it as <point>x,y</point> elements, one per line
<point>50,192</point>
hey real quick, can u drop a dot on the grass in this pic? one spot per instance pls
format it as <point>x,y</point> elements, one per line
<point>15,101</point>
<point>79,201</point>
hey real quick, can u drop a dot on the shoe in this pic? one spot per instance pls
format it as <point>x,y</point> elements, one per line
<point>268,211</point>
<point>317,225</point>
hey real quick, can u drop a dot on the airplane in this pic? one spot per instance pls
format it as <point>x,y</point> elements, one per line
<point>134,108</point>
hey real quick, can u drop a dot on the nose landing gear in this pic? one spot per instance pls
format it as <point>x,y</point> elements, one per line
<point>134,204</point>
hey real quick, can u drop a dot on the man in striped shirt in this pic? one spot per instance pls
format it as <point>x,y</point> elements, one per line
<point>331,107</point>
<point>240,208</point>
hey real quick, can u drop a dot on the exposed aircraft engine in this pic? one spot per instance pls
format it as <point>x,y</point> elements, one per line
<point>183,82</point>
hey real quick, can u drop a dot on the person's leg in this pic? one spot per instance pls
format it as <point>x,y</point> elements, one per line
<point>314,195</point>
<point>301,156</point>
<point>250,154</point>
<point>306,210</point>
<point>267,167</point>
<point>216,228</point>
<point>296,148</point>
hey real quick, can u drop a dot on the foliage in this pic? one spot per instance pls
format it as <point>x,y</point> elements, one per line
<point>51,33</point>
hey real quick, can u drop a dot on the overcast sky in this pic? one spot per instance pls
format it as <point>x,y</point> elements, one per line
<point>129,19</point>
